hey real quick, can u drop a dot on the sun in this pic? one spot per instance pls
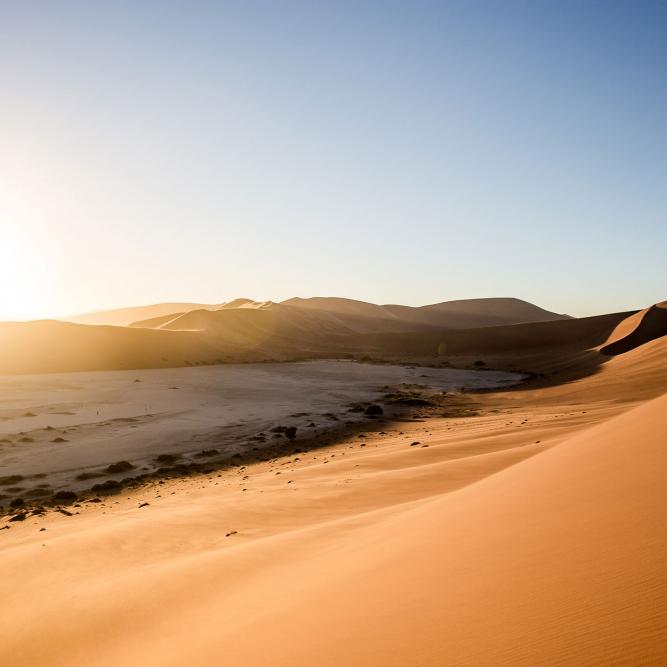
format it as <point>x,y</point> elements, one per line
<point>21,296</point>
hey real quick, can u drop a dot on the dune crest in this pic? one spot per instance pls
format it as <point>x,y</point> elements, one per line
<point>640,328</point>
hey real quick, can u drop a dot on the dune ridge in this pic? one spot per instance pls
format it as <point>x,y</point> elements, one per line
<point>465,313</point>
<point>641,328</point>
<point>262,331</point>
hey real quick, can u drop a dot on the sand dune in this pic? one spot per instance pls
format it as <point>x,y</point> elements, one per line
<point>461,314</point>
<point>557,560</point>
<point>532,532</point>
<point>51,347</point>
<point>472,313</point>
<point>121,317</point>
<point>339,305</point>
<point>576,334</point>
<point>641,328</point>
<point>269,331</point>
<point>280,319</point>
<point>449,314</point>
<point>245,303</point>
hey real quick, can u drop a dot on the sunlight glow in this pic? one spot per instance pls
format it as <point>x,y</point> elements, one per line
<point>20,294</point>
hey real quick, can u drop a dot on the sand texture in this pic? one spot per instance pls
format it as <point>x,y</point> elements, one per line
<point>528,529</point>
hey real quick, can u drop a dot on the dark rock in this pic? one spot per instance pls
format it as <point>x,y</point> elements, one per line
<point>88,475</point>
<point>107,486</point>
<point>64,496</point>
<point>166,458</point>
<point>373,411</point>
<point>18,517</point>
<point>120,466</point>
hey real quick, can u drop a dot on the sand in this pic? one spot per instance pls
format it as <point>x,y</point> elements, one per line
<point>531,532</point>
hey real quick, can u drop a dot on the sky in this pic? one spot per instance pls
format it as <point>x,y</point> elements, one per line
<point>395,152</point>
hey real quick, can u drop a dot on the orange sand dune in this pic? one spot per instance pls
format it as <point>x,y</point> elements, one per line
<point>449,314</point>
<point>48,347</point>
<point>284,320</point>
<point>268,331</point>
<point>461,314</point>
<point>641,328</point>
<point>533,533</point>
<point>558,560</point>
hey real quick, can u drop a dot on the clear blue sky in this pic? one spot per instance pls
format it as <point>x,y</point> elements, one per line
<point>406,152</point>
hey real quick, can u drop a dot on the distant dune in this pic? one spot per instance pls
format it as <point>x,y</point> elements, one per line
<point>449,314</point>
<point>282,320</point>
<point>582,333</point>
<point>254,331</point>
<point>339,305</point>
<point>121,317</point>
<point>462,314</point>
<point>50,347</point>
<point>242,303</point>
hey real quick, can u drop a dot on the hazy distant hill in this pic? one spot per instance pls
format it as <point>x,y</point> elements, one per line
<point>449,314</point>
<point>178,334</point>
<point>121,317</point>
<point>270,331</point>
<point>469,313</point>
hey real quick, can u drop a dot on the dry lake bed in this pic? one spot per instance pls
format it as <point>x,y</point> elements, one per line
<point>54,428</point>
